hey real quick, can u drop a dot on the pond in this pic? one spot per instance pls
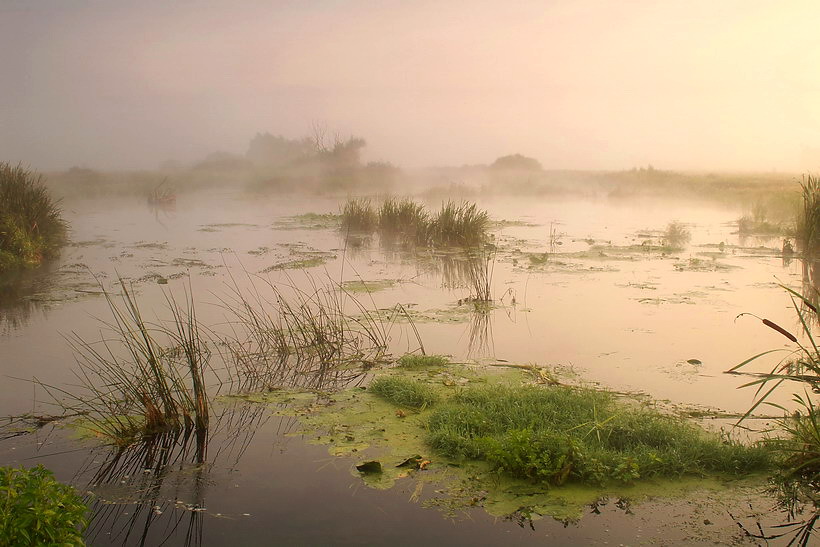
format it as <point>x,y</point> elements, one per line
<point>586,290</point>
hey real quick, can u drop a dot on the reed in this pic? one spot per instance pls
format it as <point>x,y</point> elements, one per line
<point>143,378</point>
<point>359,215</point>
<point>808,218</point>
<point>459,224</point>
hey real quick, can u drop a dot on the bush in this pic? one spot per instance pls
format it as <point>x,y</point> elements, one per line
<point>35,509</point>
<point>31,226</point>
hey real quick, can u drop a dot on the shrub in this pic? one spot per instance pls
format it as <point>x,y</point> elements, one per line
<point>31,226</point>
<point>35,509</point>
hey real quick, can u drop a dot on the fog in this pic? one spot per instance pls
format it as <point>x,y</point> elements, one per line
<point>728,85</point>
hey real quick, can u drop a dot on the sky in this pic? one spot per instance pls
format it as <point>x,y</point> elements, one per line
<point>580,84</point>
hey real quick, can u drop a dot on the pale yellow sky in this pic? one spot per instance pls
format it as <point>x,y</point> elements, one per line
<point>722,85</point>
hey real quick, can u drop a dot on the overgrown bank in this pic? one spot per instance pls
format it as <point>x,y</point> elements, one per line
<point>31,225</point>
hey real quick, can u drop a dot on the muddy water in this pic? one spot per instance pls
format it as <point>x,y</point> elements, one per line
<point>602,305</point>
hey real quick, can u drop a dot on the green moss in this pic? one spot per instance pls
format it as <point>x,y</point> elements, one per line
<point>362,286</point>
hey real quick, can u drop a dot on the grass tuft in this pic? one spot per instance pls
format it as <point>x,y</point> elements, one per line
<point>404,392</point>
<point>358,215</point>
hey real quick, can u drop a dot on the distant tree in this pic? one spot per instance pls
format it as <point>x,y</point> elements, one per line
<point>277,151</point>
<point>516,162</point>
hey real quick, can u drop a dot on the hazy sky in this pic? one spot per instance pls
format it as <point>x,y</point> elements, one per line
<point>712,84</point>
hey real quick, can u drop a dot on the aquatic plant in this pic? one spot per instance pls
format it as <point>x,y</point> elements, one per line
<point>405,392</point>
<point>144,378</point>
<point>559,434</point>
<point>35,509</point>
<point>282,335</point>
<point>31,224</point>
<point>801,365</point>
<point>404,218</point>
<point>413,360</point>
<point>808,218</point>
<point>676,235</point>
<point>358,215</point>
<point>459,224</point>
<point>480,276</point>
<point>455,224</point>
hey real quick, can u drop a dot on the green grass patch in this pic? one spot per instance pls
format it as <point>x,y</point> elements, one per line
<point>35,509</point>
<point>405,392</point>
<point>561,434</point>
<point>412,360</point>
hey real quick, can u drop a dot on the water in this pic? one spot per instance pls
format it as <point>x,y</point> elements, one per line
<point>631,320</point>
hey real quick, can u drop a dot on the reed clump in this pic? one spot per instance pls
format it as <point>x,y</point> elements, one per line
<point>676,236</point>
<point>808,218</point>
<point>359,215</point>
<point>455,224</point>
<point>31,225</point>
<point>560,434</point>
<point>144,378</point>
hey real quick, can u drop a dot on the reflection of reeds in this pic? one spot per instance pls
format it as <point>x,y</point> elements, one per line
<point>144,469</point>
<point>480,274</point>
<point>480,343</point>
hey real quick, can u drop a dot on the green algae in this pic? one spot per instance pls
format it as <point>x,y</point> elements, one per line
<point>362,286</point>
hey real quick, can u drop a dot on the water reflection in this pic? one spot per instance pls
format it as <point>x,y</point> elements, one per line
<point>155,490</point>
<point>18,296</point>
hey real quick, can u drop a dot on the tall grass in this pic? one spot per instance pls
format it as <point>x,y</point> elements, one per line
<point>31,224</point>
<point>359,215</point>
<point>143,378</point>
<point>320,337</point>
<point>808,219</point>
<point>455,224</point>
<point>459,224</point>
<point>404,218</point>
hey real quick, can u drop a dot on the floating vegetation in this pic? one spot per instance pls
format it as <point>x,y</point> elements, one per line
<point>362,286</point>
<point>455,224</point>
<point>309,221</point>
<point>31,225</point>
